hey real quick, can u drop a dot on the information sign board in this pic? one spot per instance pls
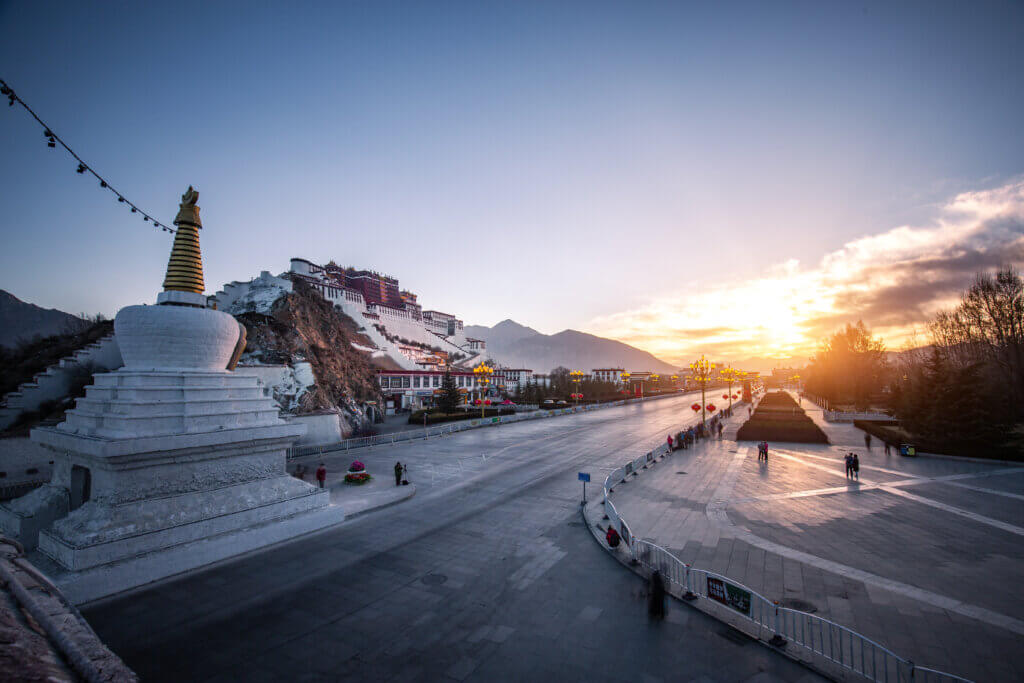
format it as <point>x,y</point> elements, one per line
<point>729,595</point>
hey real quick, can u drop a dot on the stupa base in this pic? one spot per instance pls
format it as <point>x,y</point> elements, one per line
<point>105,580</point>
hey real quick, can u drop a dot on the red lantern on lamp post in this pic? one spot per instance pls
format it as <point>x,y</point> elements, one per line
<point>696,407</point>
<point>725,396</point>
<point>711,408</point>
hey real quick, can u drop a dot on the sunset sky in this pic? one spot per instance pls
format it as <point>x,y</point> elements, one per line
<point>735,179</point>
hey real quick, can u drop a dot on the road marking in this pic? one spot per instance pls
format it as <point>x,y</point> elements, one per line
<point>720,516</point>
<point>893,488</point>
<point>956,511</point>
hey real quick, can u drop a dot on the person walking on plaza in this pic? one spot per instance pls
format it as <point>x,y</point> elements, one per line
<point>749,411</point>
<point>867,441</point>
<point>721,428</point>
<point>669,443</point>
<point>612,537</point>
<point>887,447</point>
<point>398,474</point>
<point>849,464</point>
<point>656,597</point>
<point>321,474</point>
<point>855,466</point>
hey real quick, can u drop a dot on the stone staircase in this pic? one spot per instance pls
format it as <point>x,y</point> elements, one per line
<point>55,382</point>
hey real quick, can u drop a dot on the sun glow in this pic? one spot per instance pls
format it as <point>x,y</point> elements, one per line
<point>893,281</point>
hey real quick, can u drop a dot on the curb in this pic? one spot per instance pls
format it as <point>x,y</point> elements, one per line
<point>391,503</point>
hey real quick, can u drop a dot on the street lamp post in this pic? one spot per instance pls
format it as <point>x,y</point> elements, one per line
<point>702,369</point>
<point>625,382</point>
<point>483,378</point>
<point>729,375</point>
<point>576,376</point>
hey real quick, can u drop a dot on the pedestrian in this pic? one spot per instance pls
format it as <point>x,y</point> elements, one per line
<point>656,597</point>
<point>849,465</point>
<point>867,441</point>
<point>887,447</point>
<point>765,444</point>
<point>669,443</point>
<point>721,428</point>
<point>856,467</point>
<point>321,474</point>
<point>398,474</point>
<point>749,411</point>
<point>612,537</point>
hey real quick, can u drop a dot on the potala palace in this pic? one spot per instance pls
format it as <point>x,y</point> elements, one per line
<point>392,318</point>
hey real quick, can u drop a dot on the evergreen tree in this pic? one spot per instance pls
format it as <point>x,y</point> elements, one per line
<point>449,399</point>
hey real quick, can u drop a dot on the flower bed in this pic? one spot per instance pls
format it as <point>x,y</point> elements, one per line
<point>357,478</point>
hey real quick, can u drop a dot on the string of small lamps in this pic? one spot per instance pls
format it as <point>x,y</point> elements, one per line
<point>52,140</point>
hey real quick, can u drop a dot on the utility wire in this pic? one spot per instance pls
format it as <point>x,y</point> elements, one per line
<point>52,140</point>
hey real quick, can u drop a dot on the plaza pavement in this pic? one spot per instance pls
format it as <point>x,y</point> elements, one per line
<point>487,574</point>
<point>923,555</point>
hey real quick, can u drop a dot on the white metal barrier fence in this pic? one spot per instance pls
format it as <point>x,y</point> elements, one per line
<point>818,640</point>
<point>452,427</point>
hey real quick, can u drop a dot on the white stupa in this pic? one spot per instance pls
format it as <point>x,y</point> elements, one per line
<point>173,461</point>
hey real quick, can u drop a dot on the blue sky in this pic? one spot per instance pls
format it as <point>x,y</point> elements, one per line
<point>562,164</point>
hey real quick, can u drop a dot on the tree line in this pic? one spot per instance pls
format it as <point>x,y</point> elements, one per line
<point>964,389</point>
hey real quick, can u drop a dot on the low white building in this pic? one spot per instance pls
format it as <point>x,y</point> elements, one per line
<point>613,375</point>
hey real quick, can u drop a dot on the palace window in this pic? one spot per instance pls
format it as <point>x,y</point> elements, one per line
<point>437,381</point>
<point>416,382</point>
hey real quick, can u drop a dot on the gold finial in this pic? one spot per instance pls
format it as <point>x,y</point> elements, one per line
<point>185,267</point>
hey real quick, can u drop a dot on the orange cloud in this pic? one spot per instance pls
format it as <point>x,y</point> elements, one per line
<point>894,281</point>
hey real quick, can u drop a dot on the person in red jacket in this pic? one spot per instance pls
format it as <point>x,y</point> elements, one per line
<point>669,442</point>
<point>321,474</point>
<point>612,536</point>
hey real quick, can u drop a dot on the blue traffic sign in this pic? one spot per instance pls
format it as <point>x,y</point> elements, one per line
<point>584,476</point>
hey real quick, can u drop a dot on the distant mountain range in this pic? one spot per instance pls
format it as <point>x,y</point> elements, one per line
<point>519,346</point>
<point>21,321</point>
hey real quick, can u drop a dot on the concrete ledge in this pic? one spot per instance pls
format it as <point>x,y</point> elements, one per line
<point>98,582</point>
<point>94,554</point>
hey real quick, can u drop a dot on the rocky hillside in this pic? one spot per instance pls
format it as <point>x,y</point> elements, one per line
<point>302,327</point>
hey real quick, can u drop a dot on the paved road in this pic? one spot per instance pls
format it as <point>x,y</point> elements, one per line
<point>922,555</point>
<point>487,574</point>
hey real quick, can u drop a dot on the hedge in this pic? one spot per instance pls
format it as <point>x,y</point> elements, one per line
<point>439,418</point>
<point>779,418</point>
<point>885,431</point>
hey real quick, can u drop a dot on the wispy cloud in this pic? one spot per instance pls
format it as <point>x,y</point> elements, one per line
<point>894,281</point>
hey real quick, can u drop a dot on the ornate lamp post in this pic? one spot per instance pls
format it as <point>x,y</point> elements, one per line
<point>675,382</point>
<point>654,382</point>
<point>482,373</point>
<point>702,370</point>
<point>625,382</point>
<point>729,375</point>
<point>576,376</point>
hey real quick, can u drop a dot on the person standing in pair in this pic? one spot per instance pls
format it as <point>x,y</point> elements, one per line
<point>398,474</point>
<point>855,467</point>
<point>321,475</point>
<point>849,464</point>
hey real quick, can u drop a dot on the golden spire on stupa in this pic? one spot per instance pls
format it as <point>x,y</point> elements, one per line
<point>185,267</point>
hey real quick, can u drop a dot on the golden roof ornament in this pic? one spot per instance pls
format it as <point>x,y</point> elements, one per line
<point>185,267</point>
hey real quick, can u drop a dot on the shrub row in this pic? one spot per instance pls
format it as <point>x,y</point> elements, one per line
<point>779,418</point>
<point>888,431</point>
<point>416,418</point>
